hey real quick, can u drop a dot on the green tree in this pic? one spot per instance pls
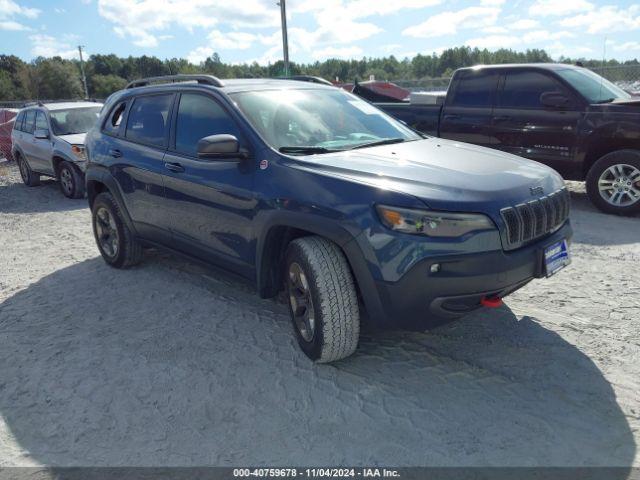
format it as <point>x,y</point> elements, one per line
<point>105,85</point>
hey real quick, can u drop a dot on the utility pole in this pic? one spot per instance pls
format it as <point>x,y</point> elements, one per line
<point>84,78</point>
<point>285,40</point>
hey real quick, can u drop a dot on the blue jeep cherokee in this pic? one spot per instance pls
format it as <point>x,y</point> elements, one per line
<point>306,187</point>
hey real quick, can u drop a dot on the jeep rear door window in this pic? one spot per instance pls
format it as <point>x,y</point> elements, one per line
<point>522,89</point>
<point>29,121</point>
<point>324,119</point>
<point>73,120</point>
<point>474,89</point>
<point>148,119</point>
<point>200,116</point>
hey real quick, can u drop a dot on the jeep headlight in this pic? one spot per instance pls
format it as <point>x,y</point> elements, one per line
<point>433,224</point>
<point>78,151</point>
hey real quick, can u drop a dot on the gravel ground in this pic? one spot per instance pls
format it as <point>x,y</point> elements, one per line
<point>174,364</point>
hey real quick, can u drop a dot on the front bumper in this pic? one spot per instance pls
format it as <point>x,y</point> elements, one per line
<point>421,299</point>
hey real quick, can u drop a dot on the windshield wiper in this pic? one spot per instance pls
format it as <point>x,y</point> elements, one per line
<point>384,141</point>
<point>306,149</point>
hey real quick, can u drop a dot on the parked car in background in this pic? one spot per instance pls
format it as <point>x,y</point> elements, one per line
<point>564,116</point>
<point>7,117</point>
<point>309,188</point>
<point>48,139</point>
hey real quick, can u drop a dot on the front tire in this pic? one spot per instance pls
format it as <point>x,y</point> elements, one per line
<point>322,299</point>
<point>117,244</point>
<point>613,182</point>
<point>71,182</point>
<point>29,177</point>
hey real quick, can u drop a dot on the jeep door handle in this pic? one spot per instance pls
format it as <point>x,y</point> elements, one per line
<point>502,118</point>
<point>174,167</point>
<point>451,116</point>
<point>115,153</point>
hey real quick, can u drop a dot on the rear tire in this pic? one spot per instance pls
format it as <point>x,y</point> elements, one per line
<point>322,299</point>
<point>117,244</point>
<point>71,181</point>
<point>29,177</point>
<point>613,182</point>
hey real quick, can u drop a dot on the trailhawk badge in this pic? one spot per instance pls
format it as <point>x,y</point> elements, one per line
<point>264,164</point>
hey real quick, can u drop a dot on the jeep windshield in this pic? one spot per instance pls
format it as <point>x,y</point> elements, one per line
<point>592,86</point>
<point>73,120</point>
<point>316,121</point>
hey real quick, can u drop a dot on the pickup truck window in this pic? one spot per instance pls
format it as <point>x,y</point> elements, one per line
<point>475,89</point>
<point>318,119</point>
<point>522,89</point>
<point>592,86</point>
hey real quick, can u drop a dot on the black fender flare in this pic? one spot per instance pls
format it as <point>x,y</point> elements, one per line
<point>331,230</point>
<point>100,175</point>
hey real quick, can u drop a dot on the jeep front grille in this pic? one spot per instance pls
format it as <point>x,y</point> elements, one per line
<point>528,221</point>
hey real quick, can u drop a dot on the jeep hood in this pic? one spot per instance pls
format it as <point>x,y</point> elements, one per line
<point>444,174</point>
<point>74,138</point>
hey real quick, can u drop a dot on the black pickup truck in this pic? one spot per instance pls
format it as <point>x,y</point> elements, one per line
<point>564,116</point>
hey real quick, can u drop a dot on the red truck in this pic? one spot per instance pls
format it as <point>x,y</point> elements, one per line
<point>7,117</point>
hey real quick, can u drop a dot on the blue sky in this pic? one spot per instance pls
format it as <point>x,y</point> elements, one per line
<point>249,30</point>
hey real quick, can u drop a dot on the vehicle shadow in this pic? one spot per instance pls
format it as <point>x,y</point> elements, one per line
<point>172,364</point>
<point>18,198</point>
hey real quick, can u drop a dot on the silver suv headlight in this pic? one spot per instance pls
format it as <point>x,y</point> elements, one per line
<point>433,224</point>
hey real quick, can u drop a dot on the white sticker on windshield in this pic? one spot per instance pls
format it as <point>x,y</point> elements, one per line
<point>364,107</point>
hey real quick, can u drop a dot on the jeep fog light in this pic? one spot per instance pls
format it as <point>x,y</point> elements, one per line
<point>433,224</point>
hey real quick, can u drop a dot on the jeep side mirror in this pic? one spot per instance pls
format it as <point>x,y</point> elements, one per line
<point>222,146</point>
<point>554,100</point>
<point>41,134</point>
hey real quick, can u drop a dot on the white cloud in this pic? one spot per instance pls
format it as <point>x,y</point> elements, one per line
<point>354,9</point>
<point>494,41</point>
<point>537,36</point>
<point>337,52</point>
<point>524,24</point>
<point>12,26</point>
<point>492,3</point>
<point>623,47</point>
<point>557,8</point>
<point>606,19</point>
<point>140,20</point>
<point>9,10</point>
<point>222,41</point>
<point>47,46</point>
<point>448,23</point>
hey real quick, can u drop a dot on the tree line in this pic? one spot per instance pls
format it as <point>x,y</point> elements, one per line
<point>58,78</point>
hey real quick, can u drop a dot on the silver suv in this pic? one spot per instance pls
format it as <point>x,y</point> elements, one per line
<point>48,139</point>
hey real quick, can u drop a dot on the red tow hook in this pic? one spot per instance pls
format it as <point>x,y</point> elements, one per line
<point>491,302</point>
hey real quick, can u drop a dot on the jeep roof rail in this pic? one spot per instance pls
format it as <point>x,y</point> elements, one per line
<point>203,79</point>
<point>309,78</point>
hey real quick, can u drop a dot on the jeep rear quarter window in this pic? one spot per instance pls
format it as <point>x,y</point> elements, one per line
<point>474,89</point>
<point>200,116</point>
<point>147,122</point>
<point>112,124</point>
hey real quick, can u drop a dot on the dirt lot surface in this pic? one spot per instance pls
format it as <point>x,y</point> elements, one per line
<point>174,364</point>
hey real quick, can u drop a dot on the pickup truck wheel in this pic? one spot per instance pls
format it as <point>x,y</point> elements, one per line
<point>29,178</point>
<point>71,182</point>
<point>322,299</point>
<point>613,183</point>
<point>117,244</point>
